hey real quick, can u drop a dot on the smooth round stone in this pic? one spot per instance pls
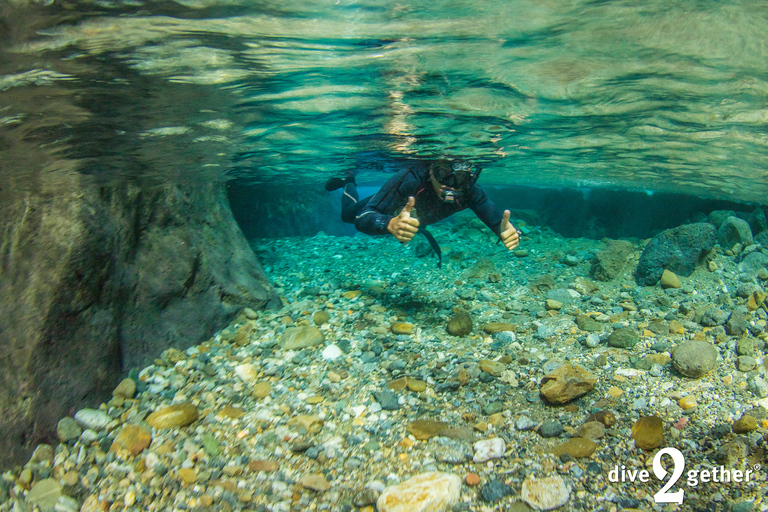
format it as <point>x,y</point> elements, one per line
<point>746,423</point>
<point>301,337</point>
<point>625,337</point>
<point>648,432</point>
<point>133,438</point>
<point>94,419</point>
<point>577,447</point>
<point>331,353</point>
<point>694,359</point>
<point>126,389</point>
<point>261,390</point>
<point>460,324</point>
<point>592,430</point>
<point>177,415</point>
<point>550,429</point>
<point>401,328</point>
<point>746,363</point>
<point>321,317</point>
<point>67,429</point>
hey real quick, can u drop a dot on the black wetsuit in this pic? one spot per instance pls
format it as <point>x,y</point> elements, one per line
<point>372,214</point>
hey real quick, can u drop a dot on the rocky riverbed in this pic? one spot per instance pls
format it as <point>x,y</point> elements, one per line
<point>535,379</point>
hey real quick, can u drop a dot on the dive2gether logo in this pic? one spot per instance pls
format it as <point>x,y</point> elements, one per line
<point>694,476</point>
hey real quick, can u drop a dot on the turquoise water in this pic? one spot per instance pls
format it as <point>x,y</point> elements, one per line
<point>665,96</point>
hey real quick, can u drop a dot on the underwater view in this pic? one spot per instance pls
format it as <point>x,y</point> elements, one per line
<point>383,256</point>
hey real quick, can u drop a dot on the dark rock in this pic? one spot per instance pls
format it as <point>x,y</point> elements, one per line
<point>460,324</point>
<point>589,324</point>
<point>755,261</point>
<point>495,490</point>
<point>625,337</point>
<point>713,317</point>
<point>761,238</point>
<point>718,217</point>
<point>757,221</point>
<point>387,400</point>
<point>611,261</point>
<point>737,323</point>
<point>734,231</point>
<point>550,429</point>
<point>677,250</point>
<point>99,279</point>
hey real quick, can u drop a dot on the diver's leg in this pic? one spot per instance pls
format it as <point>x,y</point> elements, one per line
<point>350,204</point>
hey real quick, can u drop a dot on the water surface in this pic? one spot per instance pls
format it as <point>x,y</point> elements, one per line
<point>660,96</point>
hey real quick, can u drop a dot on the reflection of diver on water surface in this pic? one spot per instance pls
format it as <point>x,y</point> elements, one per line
<point>437,191</point>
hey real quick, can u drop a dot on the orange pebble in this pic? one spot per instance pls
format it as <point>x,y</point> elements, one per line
<point>472,479</point>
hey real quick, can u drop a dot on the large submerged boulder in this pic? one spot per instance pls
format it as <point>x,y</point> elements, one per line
<point>677,250</point>
<point>96,280</point>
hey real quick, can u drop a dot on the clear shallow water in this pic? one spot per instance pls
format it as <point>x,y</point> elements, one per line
<point>663,96</point>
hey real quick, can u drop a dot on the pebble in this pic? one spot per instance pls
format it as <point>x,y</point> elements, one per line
<point>648,432</point>
<point>746,423</point>
<point>45,494</point>
<point>525,423</point>
<point>694,359</point>
<point>427,492</point>
<point>331,352</point>
<point>68,429</point>
<point>301,337</point>
<point>488,449</point>
<point>550,429</point>
<point>126,389</point>
<point>577,447</point>
<point>133,438</point>
<point>401,328</point>
<point>545,493</point>
<point>177,415</point>
<point>426,429</point>
<point>624,337</point>
<point>261,389</point>
<point>495,490</point>
<point>94,419</point>
<point>460,324</point>
<point>567,383</point>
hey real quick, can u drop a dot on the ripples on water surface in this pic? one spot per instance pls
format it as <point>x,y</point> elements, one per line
<point>663,96</point>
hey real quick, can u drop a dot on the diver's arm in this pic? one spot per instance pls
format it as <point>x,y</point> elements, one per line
<point>485,209</point>
<point>492,217</point>
<point>375,218</point>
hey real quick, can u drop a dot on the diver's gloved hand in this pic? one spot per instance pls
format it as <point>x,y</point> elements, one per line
<point>509,234</point>
<point>404,227</point>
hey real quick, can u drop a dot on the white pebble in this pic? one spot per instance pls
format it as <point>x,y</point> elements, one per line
<point>488,449</point>
<point>547,493</point>
<point>247,372</point>
<point>94,419</point>
<point>331,352</point>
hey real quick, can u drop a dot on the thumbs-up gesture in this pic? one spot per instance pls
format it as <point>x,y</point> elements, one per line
<point>404,227</point>
<point>509,234</point>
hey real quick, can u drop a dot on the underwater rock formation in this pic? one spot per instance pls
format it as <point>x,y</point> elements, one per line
<point>95,281</point>
<point>677,250</point>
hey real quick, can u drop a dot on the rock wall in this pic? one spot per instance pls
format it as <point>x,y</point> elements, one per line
<point>96,280</point>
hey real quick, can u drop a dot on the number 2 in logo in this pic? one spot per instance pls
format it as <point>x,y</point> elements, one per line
<point>663,496</point>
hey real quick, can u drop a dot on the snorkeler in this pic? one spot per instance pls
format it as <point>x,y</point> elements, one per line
<point>435,191</point>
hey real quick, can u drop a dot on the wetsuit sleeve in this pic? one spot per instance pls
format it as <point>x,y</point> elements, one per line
<point>486,210</point>
<point>375,216</point>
